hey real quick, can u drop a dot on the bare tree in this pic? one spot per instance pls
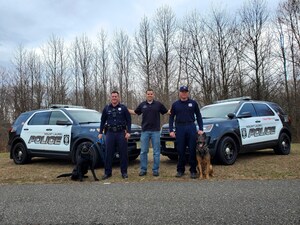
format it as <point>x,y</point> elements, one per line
<point>55,68</point>
<point>288,24</point>
<point>5,106</point>
<point>36,79</point>
<point>102,70</point>
<point>84,61</point>
<point>5,96</point>
<point>122,55</point>
<point>144,50</point>
<point>257,53</point>
<point>199,57</point>
<point>222,39</point>
<point>183,55</point>
<point>21,83</point>
<point>165,29</point>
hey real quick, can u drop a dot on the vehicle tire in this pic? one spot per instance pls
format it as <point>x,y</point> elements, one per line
<point>173,157</point>
<point>20,154</point>
<point>88,144</point>
<point>284,145</point>
<point>227,151</point>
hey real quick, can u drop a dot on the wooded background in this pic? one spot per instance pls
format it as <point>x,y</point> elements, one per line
<point>219,55</point>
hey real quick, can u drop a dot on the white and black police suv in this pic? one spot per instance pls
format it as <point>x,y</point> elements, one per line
<point>238,125</point>
<point>61,132</point>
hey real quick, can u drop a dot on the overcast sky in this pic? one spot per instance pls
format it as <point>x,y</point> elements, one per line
<point>32,22</point>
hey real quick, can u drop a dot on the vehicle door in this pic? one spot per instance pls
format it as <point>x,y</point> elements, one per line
<point>261,126</point>
<point>41,132</point>
<point>248,124</point>
<point>269,120</point>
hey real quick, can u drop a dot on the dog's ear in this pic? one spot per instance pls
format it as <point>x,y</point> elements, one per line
<point>204,135</point>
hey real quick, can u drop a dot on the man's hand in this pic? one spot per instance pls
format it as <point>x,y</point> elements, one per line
<point>200,132</point>
<point>172,134</point>
<point>127,135</point>
<point>100,136</point>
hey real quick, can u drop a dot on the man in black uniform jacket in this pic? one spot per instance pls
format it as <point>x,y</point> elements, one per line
<point>117,122</point>
<point>184,111</point>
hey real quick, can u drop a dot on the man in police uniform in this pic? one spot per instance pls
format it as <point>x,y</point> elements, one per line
<point>151,110</point>
<point>117,122</point>
<point>184,111</point>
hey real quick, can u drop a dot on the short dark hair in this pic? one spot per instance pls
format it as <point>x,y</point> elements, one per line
<point>115,92</point>
<point>149,89</point>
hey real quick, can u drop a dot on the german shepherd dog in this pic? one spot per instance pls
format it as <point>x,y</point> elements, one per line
<point>204,166</point>
<point>85,161</point>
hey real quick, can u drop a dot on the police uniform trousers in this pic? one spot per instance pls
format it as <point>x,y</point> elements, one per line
<point>116,140</point>
<point>186,135</point>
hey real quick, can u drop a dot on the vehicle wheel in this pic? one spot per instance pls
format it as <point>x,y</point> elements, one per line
<point>173,157</point>
<point>19,154</point>
<point>227,151</point>
<point>284,145</point>
<point>88,145</point>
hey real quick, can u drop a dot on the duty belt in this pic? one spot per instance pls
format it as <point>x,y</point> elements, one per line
<point>115,128</point>
<point>184,123</point>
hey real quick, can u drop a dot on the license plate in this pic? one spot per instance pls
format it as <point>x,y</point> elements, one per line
<point>138,144</point>
<point>170,144</point>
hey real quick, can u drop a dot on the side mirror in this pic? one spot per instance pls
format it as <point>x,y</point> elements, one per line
<point>230,115</point>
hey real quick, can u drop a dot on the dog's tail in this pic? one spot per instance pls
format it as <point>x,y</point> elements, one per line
<point>64,175</point>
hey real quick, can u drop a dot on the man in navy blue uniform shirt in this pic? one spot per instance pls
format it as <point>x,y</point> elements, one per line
<point>184,111</point>
<point>151,110</point>
<point>117,122</point>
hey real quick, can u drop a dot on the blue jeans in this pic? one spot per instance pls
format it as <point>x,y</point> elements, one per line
<point>155,140</point>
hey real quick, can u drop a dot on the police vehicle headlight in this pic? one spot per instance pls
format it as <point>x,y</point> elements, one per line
<point>207,127</point>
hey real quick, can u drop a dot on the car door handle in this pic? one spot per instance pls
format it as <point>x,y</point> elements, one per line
<point>26,129</point>
<point>48,129</point>
<point>257,121</point>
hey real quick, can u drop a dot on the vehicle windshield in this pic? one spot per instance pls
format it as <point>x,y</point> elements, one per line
<point>218,110</point>
<point>85,116</point>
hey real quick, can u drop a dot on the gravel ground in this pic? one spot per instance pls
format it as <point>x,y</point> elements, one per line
<point>188,202</point>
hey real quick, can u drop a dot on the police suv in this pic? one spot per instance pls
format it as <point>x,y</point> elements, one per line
<point>238,125</point>
<point>61,132</point>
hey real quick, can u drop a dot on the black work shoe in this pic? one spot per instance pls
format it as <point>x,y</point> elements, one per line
<point>193,175</point>
<point>142,173</point>
<point>179,174</point>
<point>106,176</point>
<point>124,175</point>
<point>156,174</point>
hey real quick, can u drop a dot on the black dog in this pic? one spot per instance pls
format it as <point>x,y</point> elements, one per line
<point>85,161</point>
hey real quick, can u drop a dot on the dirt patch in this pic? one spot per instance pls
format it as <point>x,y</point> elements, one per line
<point>257,165</point>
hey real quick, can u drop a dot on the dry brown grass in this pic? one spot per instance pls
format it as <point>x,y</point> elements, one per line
<point>258,165</point>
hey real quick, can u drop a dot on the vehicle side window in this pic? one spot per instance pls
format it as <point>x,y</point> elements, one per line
<point>263,110</point>
<point>21,119</point>
<point>248,107</point>
<point>55,116</point>
<point>277,108</point>
<point>41,118</point>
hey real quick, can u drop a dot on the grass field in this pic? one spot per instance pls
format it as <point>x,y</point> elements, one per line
<point>257,165</point>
